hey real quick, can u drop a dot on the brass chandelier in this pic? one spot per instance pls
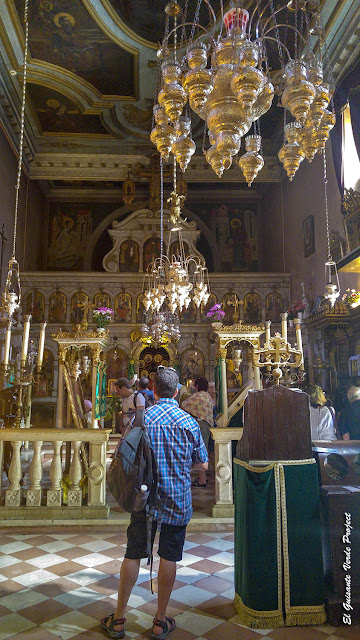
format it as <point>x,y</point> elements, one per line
<point>224,73</point>
<point>172,281</point>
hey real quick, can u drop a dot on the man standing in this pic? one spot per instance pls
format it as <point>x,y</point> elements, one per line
<point>177,443</point>
<point>130,401</point>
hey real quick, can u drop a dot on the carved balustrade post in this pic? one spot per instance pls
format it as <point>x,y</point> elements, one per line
<point>224,407</point>
<point>75,474</point>
<point>53,498</point>
<point>13,493</point>
<point>33,494</point>
<point>97,474</point>
<point>224,504</point>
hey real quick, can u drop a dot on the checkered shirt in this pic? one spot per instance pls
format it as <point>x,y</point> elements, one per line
<point>177,443</point>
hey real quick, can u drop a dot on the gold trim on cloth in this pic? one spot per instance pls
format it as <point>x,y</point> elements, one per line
<point>291,616</point>
<point>258,619</point>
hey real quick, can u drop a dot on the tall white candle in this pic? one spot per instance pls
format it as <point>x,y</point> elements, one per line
<point>284,325</point>
<point>297,323</point>
<point>41,345</point>
<point>267,330</point>
<point>25,342</point>
<point>7,344</point>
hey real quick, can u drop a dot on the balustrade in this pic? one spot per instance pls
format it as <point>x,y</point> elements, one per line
<point>42,496</point>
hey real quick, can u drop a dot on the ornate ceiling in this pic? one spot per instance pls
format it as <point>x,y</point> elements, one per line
<point>91,76</point>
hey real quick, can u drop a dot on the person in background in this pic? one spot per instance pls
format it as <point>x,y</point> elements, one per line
<point>350,420</point>
<point>148,394</point>
<point>130,402</point>
<point>200,406</point>
<point>177,443</point>
<point>182,394</point>
<point>321,420</point>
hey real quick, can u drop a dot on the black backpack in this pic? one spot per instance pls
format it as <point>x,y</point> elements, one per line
<point>133,466</point>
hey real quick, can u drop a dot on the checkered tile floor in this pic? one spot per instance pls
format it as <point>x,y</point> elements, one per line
<point>59,585</point>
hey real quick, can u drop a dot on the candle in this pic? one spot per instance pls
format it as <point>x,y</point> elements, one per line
<point>297,323</point>
<point>41,345</point>
<point>267,330</point>
<point>25,343</point>
<point>7,344</point>
<point>284,325</point>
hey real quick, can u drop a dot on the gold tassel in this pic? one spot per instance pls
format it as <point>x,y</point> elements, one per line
<point>257,619</point>
<point>303,617</point>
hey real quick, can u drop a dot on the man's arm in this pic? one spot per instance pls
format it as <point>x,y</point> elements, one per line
<point>200,465</point>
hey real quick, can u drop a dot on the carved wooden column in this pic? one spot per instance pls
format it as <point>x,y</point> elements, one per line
<point>60,402</point>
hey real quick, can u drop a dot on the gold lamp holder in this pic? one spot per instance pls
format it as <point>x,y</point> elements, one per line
<point>277,353</point>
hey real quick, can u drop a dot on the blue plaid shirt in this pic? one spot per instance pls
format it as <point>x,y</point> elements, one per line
<point>177,443</point>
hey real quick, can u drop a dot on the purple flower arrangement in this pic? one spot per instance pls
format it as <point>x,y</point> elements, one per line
<point>102,316</point>
<point>216,313</point>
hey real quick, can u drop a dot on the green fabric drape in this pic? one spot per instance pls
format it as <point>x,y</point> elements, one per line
<point>278,553</point>
<point>131,370</point>
<point>100,408</point>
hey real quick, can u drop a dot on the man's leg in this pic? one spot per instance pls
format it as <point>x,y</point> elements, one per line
<point>166,579</point>
<point>128,576</point>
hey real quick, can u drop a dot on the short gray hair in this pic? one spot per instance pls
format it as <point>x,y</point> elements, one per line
<point>166,382</point>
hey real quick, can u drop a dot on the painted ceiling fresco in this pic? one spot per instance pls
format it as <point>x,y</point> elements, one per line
<point>147,18</point>
<point>63,33</point>
<point>58,114</point>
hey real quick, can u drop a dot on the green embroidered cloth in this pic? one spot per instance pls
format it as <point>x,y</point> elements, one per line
<point>278,552</point>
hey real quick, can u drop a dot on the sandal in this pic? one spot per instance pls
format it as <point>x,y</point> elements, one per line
<point>109,628</point>
<point>196,483</point>
<point>167,626</point>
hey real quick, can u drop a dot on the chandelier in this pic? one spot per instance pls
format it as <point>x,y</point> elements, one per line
<point>224,73</point>
<point>172,281</point>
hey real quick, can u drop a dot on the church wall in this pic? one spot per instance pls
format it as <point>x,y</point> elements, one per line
<point>304,197</point>
<point>30,223</point>
<point>273,259</point>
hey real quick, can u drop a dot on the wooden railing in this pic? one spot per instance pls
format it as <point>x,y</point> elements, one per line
<point>37,500</point>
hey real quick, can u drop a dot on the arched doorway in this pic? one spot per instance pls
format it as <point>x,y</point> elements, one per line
<point>149,360</point>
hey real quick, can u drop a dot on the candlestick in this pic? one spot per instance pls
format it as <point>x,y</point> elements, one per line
<point>41,345</point>
<point>25,343</point>
<point>7,344</point>
<point>267,330</point>
<point>284,325</point>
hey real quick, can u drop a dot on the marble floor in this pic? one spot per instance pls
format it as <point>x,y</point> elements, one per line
<point>59,583</point>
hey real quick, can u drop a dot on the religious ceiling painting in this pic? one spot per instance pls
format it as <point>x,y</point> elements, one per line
<point>101,299</point>
<point>252,308</point>
<point>206,307</point>
<point>57,307</point>
<point>274,305</point>
<point>150,359</point>
<point>59,114</point>
<point>192,365</point>
<point>63,33</point>
<point>35,306</point>
<point>71,225</point>
<point>122,310</point>
<point>235,231</point>
<point>129,256</point>
<point>79,308</point>
<point>147,19</point>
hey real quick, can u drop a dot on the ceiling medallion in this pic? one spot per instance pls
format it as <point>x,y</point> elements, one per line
<point>226,78</point>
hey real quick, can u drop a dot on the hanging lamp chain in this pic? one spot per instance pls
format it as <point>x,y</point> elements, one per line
<point>326,207</point>
<point>22,123</point>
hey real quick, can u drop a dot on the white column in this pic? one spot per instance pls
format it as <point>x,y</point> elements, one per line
<point>33,494</point>
<point>13,494</point>
<point>224,407</point>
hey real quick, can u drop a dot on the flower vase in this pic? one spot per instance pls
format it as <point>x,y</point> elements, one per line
<point>291,323</point>
<point>216,325</point>
<point>100,330</point>
<point>300,315</point>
